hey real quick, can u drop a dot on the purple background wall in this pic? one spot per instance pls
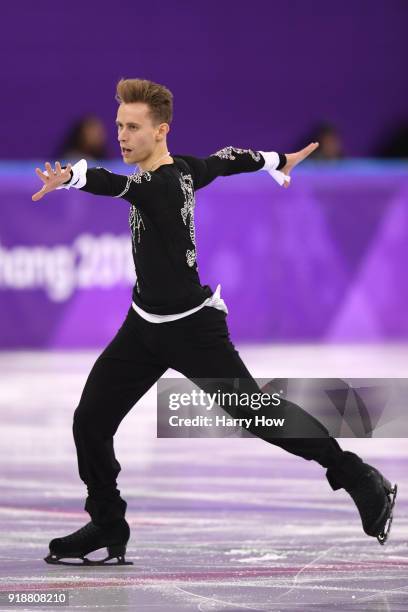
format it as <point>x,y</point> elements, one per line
<point>322,261</point>
<point>253,74</point>
<point>325,259</point>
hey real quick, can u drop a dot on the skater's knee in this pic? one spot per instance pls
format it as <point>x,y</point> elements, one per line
<point>82,420</point>
<point>90,421</point>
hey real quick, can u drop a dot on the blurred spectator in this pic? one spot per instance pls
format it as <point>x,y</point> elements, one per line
<point>87,138</point>
<point>331,146</point>
<point>395,145</point>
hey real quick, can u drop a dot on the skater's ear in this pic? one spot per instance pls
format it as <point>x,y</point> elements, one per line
<point>162,131</point>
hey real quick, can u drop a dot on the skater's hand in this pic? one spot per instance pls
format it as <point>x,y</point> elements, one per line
<point>51,180</point>
<point>293,159</point>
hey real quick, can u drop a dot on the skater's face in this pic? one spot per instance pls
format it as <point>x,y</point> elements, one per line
<point>138,135</point>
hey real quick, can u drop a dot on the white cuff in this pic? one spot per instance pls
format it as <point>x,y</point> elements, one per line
<point>271,160</point>
<point>78,179</point>
<point>271,163</point>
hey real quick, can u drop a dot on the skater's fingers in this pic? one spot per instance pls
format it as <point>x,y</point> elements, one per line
<point>58,169</point>
<point>308,150</point>
<point>39,194</point>
<point>49,169</point>
<point>67,171</point>
<point>41,175</point>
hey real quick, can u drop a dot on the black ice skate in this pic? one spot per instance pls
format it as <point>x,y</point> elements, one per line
<point>375,499</point>
<point>89,538</point>
<point>373,494</point>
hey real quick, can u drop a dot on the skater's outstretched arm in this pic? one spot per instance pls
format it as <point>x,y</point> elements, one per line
<point>232,160</point>
<point>98,181</point>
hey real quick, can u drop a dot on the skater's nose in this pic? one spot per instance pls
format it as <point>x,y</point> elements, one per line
<point>122,134</point>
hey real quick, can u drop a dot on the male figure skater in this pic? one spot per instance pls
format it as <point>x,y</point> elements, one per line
<point>174,321</point>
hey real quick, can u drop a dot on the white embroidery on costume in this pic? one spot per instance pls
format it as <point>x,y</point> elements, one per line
<point>136,177</point>
<point>186,182</point>
<point>191,257</point>
<point>227,153</point>
<point>135,223</point>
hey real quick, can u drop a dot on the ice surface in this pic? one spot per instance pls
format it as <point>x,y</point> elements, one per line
<point>217,524</point>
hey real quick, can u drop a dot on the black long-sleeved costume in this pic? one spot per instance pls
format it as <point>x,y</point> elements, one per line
<point>198,346</point>
<point>162,223</point>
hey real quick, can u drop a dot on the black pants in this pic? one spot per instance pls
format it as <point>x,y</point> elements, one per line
<point>197,346</point>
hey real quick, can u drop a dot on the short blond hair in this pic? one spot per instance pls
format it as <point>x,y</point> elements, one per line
<point>157,97</point>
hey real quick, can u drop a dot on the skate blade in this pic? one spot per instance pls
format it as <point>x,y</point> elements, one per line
<point>55,560</point>
<point>383,536</point>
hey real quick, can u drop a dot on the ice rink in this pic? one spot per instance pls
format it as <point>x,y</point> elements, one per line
<point>217,524</point>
